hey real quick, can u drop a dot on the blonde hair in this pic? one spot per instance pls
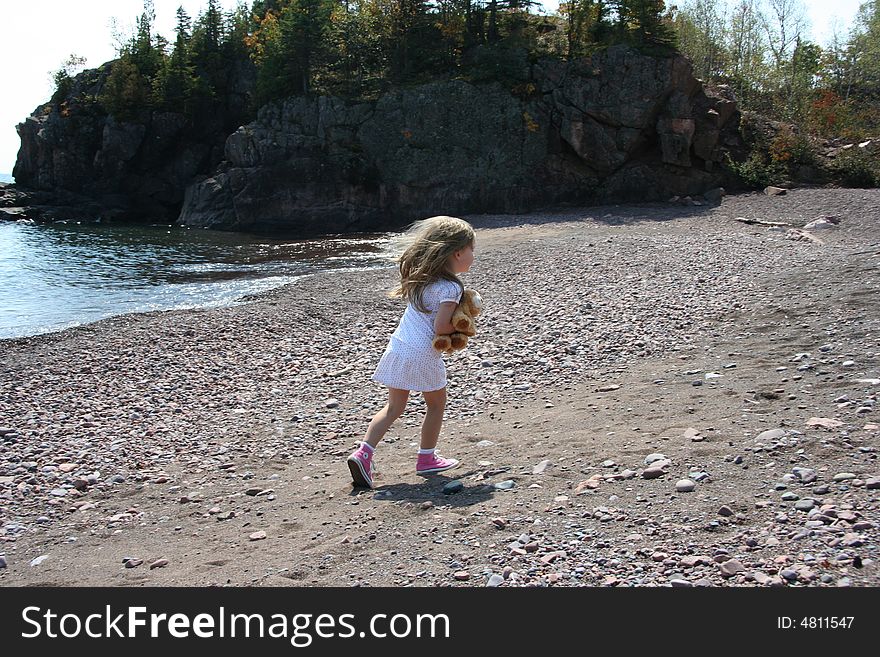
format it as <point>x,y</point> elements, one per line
<point>424,250</point>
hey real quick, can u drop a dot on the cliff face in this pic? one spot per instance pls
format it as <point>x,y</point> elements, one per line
<point>138,168</point>
<point>617,126</point>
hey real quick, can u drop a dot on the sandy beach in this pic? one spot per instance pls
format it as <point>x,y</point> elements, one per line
<point>658,395</point>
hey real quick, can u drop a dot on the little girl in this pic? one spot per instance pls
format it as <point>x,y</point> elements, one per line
<point>438,249</point>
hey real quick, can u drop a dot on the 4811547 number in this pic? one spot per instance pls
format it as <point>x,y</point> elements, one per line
<point>814,622</point>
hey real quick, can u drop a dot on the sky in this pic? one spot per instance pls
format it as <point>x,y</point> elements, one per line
<point>36,36</point>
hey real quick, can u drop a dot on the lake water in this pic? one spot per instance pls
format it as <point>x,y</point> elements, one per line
<point>53,276</point>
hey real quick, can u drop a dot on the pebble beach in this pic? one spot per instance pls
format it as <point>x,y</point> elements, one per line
<point>658,395</point>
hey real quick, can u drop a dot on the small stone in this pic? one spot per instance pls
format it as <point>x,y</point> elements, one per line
<point>495,580</point>
<point>130,562</point>
<point>2,561</point>
<point>844,476</point>
<point>772,434</point>
<point>731,568</point>
<point>805,504</point>
<point>257,536</point>
<point>824,422</point>
<point>331,403</point>
<point>427,505</point>
<point>680,583</point>
<point>789,574</point>
<point>651,458</point>
<point>37,561</point>
<point>505,485</point>
<point>761,578</point>
<point>543,465</point>
<point>873,483</point>
<point>653,473</point>
<point>462,575</point>
<point>685,486</point>
<point>775,191</point>
<point>485,443</point>
<point>806,475</point>
<point>725,511</point>
<point>159,563</point>
<point>500,523</point>
<point>608,388</point>
<point>453,487</point>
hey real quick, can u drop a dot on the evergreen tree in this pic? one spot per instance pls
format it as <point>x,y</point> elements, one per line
<point>175,82</point>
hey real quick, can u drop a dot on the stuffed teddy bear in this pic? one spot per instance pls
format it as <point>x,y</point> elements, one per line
<point>470,306</point>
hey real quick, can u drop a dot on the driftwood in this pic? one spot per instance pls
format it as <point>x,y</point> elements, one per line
<point>761,222</point>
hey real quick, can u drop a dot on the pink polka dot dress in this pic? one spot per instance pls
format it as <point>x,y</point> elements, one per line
<point>409,361</point>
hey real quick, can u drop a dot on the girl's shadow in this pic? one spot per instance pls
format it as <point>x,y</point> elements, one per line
<point>432,490</point>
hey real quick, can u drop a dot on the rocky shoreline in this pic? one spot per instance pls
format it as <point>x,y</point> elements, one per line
<point>659,395</point>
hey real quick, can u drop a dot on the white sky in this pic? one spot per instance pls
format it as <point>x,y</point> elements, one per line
<point>36,36</point>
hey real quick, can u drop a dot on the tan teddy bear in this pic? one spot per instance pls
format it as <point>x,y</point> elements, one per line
<point>470,306</point>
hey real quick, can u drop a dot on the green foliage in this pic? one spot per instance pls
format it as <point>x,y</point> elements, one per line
<point>855,167</point>
<point>126,92</point>
<point>760,48</point>
<point>63,77</point>
<point>756,172</point>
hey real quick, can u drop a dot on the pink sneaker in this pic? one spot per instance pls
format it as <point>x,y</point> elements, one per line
<point>431,463</point>
<point>361,465</point>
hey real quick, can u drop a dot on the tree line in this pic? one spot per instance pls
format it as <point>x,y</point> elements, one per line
<point>361,48</point>
<point>762,49</point>
<point>357,48</point>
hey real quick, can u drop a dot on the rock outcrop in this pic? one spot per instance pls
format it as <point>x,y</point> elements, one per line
<point>138,168</point>
<point>617,126</point>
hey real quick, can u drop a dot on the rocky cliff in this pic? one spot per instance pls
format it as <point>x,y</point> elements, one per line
<point>73,154</point>
<point>617,126</point>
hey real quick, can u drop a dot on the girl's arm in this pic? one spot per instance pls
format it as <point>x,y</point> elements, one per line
<point>443,320</point>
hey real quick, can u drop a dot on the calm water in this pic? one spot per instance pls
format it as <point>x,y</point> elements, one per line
<point>53,276</point>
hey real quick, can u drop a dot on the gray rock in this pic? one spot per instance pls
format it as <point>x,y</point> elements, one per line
<point>806,475</point>
<point>805,504</point>
<point>769,435</point>
<point>543,465</point>
<point>653,473</point>
<point>505,485</point>
<point>685,486</point>
<point>731,567</point>
<point>495,580</point>
<point>651,458</point>
<point>844,476</point>
<point>453,487</point>
<point>2,561</point>
<point>873,483</point>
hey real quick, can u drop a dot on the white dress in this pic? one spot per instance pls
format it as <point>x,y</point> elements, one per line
<point>409,361</point>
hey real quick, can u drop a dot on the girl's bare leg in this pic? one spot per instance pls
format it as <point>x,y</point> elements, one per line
<point>383,420</point>
<point>436,403</point>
